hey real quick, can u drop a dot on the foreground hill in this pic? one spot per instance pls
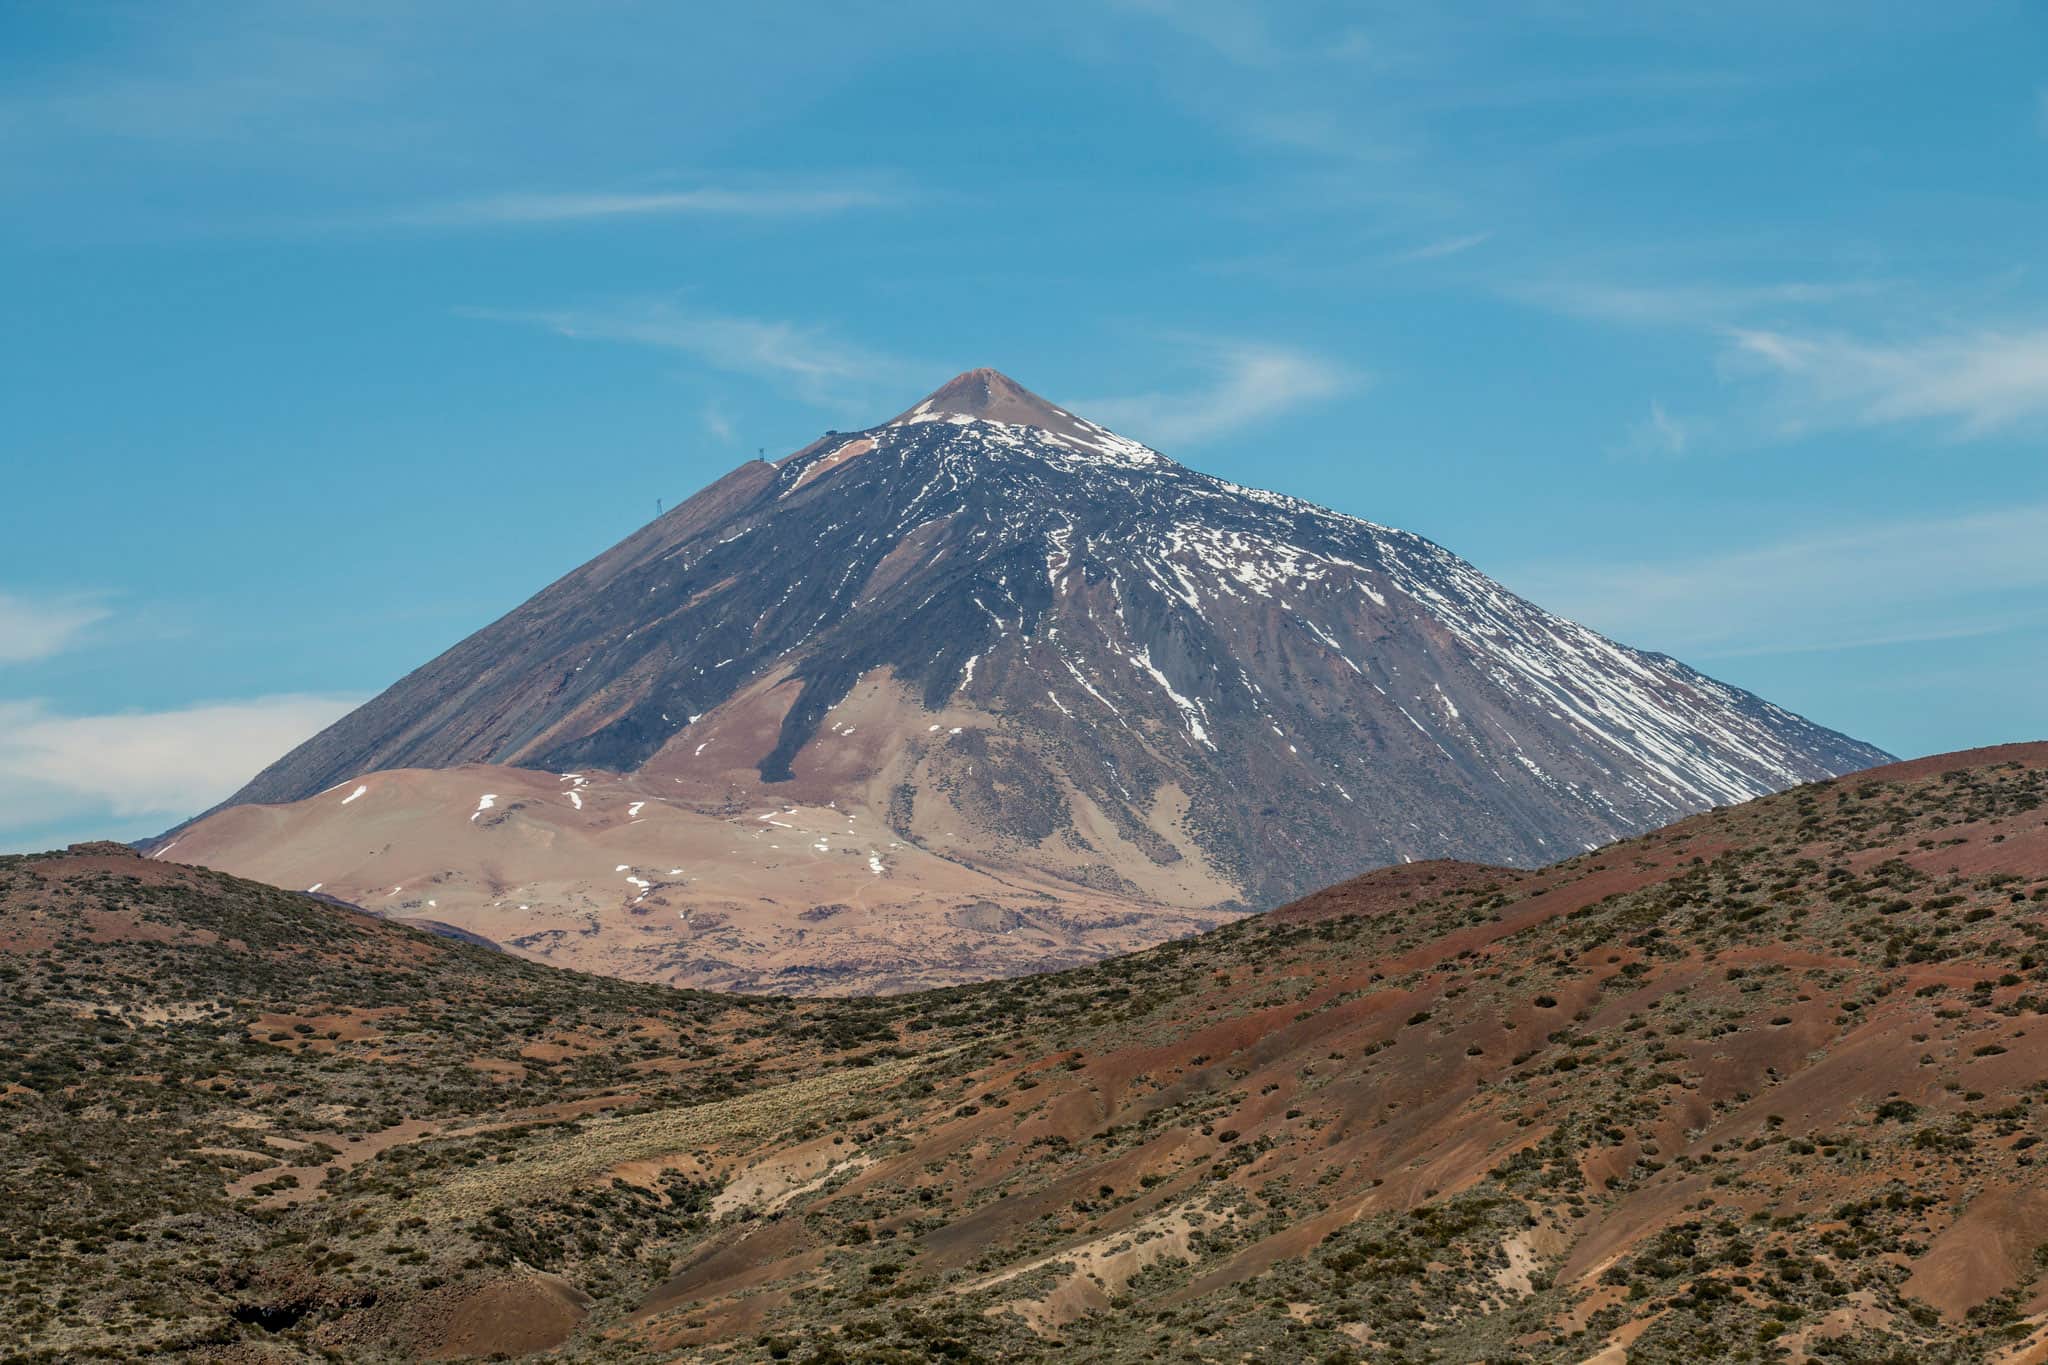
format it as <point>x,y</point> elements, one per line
<point>1757,1086</point>
<point>871,712</point>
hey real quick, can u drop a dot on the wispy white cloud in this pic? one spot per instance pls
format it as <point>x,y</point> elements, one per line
<point>1235,31</point>
<point>1249,34</point>
<point>1658,436</point>
<point>62,768</point>
<point>1979,381</point>
<point>708,202</point>
<point>229,74</point>
<point>35,628</point>
<point>1882,583</point>
<point>1248,381</point>
<point>1979,378</point>
<point>1449,246</point>
<point>1698,304</point>
<point>809,360</point>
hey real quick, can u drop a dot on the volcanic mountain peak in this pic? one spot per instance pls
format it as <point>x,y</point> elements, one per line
<point>986,395</point>
<point>982,660</point>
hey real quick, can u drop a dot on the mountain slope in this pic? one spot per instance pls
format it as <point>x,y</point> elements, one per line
<point>711,887</point>
<point>1074,658</point>
<point>1753,1087</point>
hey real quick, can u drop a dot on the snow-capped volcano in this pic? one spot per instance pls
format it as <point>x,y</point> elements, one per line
<point>989,396</point>
<point>1072,653</point>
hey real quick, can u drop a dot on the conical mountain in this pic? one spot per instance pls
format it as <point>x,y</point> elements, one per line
<point>1015,641</point>
<point>990,395</point>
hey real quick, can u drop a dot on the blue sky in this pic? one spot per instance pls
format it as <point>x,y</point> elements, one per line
<point>338,329</point>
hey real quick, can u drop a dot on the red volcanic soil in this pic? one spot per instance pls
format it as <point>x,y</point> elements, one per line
<point>1389,888</point>
<point>1775,1055</point>
<point>1762,1085</point>
<point>2033,755</point>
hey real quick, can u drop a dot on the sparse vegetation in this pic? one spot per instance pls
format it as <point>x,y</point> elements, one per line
<point>1753,1103</point>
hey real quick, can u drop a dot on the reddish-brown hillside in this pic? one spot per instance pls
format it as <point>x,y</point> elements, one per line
<point>1762,1085</point>
<point>1754,1086</point>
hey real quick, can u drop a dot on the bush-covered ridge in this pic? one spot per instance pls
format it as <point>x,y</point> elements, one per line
<point>1758,1086</point>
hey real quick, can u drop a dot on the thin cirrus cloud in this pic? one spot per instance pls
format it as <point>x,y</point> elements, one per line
<point>108,771</point>
<point>1247,382</point>
<point>1448,246</point>
<point>35,628</point>
<point>1978,382</point>
<point>1685,305</point>
<point>1235,31</point>
<point>1895,582</point>
<point>810,361</point>
<point>708,202</point>
<point>1659,435</point>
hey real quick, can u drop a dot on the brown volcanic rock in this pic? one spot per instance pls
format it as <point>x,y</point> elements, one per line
<point>990,396</point>
<point>1021,643</point>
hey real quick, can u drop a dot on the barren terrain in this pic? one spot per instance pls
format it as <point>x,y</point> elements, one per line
<point>717,880</point>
